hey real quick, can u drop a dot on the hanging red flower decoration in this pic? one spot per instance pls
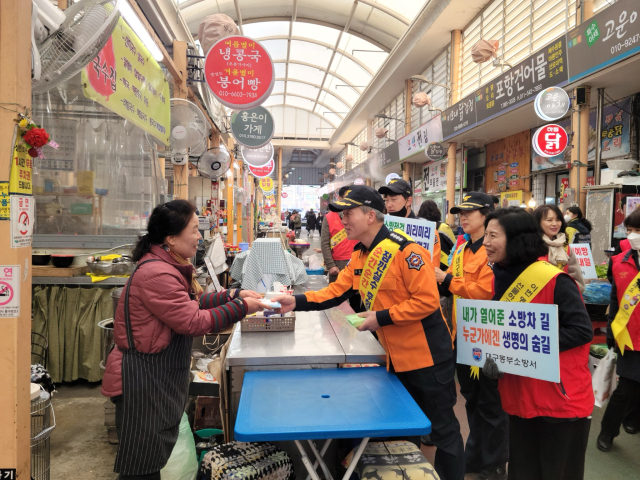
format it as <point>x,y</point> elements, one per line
<point>36,137</point>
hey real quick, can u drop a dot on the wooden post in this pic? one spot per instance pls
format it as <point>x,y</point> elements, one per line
<point>406,172</point>
<point>583,138</point>
<point>180,172</point>
<point>252,220</point>
<point>239,205</point>
<point>15,340</point>
<point>279,191</point>
<point>407,107</point>
<point>456,43</point>
<point>451,181</point>
<point>229,184</point>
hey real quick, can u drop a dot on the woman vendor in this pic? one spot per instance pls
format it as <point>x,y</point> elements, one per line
<point>161,309</point>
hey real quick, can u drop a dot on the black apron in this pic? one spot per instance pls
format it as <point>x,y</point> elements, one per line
<point>154,394</point>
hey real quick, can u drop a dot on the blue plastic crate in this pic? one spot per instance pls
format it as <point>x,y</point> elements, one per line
<point>315,271</point>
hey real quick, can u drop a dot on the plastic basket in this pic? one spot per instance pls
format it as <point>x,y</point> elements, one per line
<point>315,271</point>
<point>276,323</point>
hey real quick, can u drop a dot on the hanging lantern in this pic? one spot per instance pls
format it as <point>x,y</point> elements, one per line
<point>364,146</point>
<point>421,99</point>
<point>381,132</point>
<point>484,50</point>
<point>349,158</point>
<point>340,165</point>
<point>332,171</point>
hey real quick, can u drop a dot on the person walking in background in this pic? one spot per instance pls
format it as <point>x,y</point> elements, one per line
<point>311,222</point>
<point>623,333</point>
<point>319,222</point>
<point>496,201</point>
<point>578,227</point>
<point>296,223</point>
<point>548,422</point>
<point>470,276</point>
<point>551,221</point>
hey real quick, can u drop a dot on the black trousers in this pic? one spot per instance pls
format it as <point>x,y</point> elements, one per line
<point>488,442</point>
<point>434,390</point>
<point>623,403</point>
<point>151,476</point>
<point>547,450</point>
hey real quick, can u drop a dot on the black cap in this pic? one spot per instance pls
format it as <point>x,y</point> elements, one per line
<point>474,201</point>
<point>396,186</point>
<point>359,196</point>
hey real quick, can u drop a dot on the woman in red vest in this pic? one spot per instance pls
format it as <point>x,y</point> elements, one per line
<point>553,226</point>
<point>623,333</point>
<point>548,422</point>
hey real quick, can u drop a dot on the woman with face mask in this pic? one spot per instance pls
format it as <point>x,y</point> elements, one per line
<point>550,219</point>
<point>470,276</point>
<point>578,227</point>
<point>623,333</point>
<point>548,422</point>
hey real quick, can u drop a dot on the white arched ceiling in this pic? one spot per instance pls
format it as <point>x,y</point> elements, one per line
<point>325,52</point>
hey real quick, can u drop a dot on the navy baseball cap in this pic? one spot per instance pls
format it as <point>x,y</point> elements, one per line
<point>359,196</point>
<point>396,186</point>
<point>473,201</point>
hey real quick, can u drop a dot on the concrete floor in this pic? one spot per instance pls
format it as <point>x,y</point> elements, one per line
<point>80,450</point>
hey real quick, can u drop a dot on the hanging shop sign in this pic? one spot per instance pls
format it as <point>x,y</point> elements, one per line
<point>9,291</point>
<point>512,198</point>
<point>284,194</point>
<point>358,181</point>
<point>20,176</point>
<point>552,104</point>
<point>22,207</point>
<point>252,128</point>
<point>239,72</point>
<point>606,38</point>
<point>521,337</point>
<point>419,139</point>
<point>436,151</point>
<point>126,79</point>
<point>550,140</point>
<point>257,156</point>
<point>262,171</point>
<point>434,176</point>
<point>390,177</point>
<point>266,184</point>
<point>388,156</point>
<point>614,141</point>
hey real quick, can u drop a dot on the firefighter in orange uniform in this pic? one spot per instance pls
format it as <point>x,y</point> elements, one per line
<point>397,283</point>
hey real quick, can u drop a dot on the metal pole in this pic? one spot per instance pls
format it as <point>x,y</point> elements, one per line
<point>598,166</point>
<point>461,170</point>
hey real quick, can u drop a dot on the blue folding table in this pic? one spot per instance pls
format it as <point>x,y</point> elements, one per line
<point>326,404</point>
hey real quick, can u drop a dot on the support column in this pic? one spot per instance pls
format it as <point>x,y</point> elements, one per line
<point>368,182</point>
<point>180,172</point>
<point>451,181</point>
<point>580,149</point>
<point>461,168</point>
<point>229,184</point>
<point>598,167</point>
<point>407,107</point>
<point>239,204</point>
<point>252,208</point>
<point>278,193</point>
<point>456,45</point>
<point>406,172</point>
<point>15,340</point>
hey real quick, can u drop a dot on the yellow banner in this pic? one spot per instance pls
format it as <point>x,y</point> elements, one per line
<point>627,306</point>
<point>21,163</point>
<point>458,257</point>
<point>126,79</point>
<point>338,237</point>
<point>529,283</point>
<point>5,206</point>
<point>375,270</point>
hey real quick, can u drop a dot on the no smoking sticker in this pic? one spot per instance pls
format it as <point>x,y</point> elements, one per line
<point>9,291</point>
<point>21,220</point>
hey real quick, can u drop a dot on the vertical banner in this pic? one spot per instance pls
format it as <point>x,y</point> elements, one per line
<point>21,164</point>
<point>5,209</point>
<point>126,79</point>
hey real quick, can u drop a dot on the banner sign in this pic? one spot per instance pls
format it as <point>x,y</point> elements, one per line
<point>522,338</point>
<point>388,156</point>
<point>420,138</point>
<point>5,209</point>
<point>436,151</point>
<point>519,85</point>
<point>459,117</point>
<point>126,79</point>
<point>422,231</point>
<point>434,176</point>
<point>585,259</point>
<point>239,72</point>
<point>606,38</point>
<point>252,128</point>
<point>20,176</point>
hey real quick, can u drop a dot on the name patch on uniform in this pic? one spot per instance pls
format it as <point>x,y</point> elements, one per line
<point>415,261</point>
<point>357,271</point>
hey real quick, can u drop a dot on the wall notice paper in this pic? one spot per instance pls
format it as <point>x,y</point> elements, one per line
<point>585,259</point>
<point>511,199</point>
<point>421,231</point>
<point>522,338</point>
<point>5,210</point>
<point>9,291</point>
<point>21,163</point>
<point>126,79</point>
<point>21,220</point>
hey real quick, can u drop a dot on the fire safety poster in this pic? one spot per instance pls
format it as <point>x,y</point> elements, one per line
<point>9,291</point>
<point>21,220</point>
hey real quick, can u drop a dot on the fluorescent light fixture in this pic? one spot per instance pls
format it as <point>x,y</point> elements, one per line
<point>138,28</point>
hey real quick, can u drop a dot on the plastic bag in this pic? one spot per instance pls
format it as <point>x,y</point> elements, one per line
<point>598,293</point>
<point>183,463</point>
<point>315,262</point>
<point>604,378</point>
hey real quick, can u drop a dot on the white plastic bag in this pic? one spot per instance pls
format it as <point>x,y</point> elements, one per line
<point>604,378</point>
<point>315,262</point>
<point>183,463</point>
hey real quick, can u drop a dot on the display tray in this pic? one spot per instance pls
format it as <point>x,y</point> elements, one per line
<point>51,271</point>
<point>260,323</point>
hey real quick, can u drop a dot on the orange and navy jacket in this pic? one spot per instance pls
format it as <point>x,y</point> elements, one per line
<point>414,333</point>
<point>476,282</point>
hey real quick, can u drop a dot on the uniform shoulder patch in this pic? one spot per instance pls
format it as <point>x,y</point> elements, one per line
<point>415,261</point>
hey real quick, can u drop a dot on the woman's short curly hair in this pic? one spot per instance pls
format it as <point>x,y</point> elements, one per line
<point>524,236</point>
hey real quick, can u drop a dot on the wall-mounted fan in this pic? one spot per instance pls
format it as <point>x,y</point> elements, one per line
<point>188,135</point>
<point>63,43</point>
<point>214,163</point>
